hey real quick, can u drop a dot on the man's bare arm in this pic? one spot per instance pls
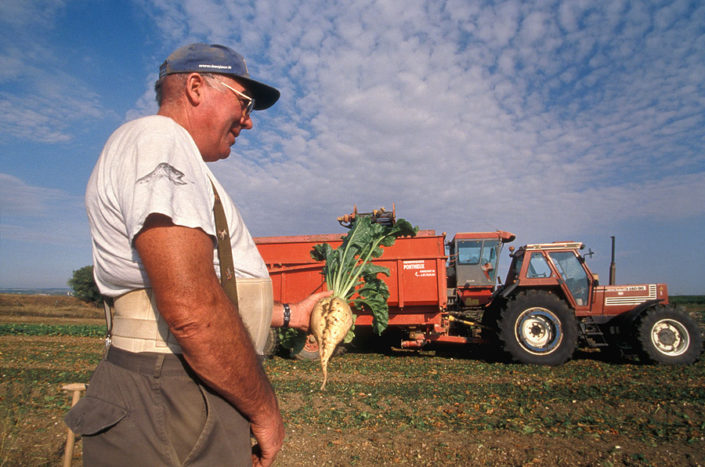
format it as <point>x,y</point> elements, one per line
<point>214,340</point>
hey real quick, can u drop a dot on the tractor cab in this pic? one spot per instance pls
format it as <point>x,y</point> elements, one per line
<point>553,265</point>
<point>472,265</point>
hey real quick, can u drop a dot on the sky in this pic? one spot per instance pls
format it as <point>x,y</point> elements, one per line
<point>555,120</point>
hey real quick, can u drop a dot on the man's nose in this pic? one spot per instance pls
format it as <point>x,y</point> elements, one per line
<point>246,121</point>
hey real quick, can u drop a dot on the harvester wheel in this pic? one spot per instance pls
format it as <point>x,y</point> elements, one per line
<point>665,335</point>
<point>538,327</point>
<point>309,351</point>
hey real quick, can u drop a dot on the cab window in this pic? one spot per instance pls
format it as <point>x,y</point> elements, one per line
<point>489,252</point>
<point>573,274</point>
<point>469,251</point>
<point>538,267</point>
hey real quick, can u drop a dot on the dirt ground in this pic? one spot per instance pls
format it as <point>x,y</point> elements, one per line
<point>355,448</point>
<point>416,448</point>
<point>32,430</point>
<point>311,446</point>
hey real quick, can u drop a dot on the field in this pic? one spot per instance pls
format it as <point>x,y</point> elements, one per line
<point>437,407</point>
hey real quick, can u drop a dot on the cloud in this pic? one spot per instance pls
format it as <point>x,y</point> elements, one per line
<point>531,114</point>
<point>41,215</point>
<point>19,199</point>
<point>17,14</point>
<point>549,119</point>
<point>146,104</point>
<point>48,115</point>
<point>39,101</point>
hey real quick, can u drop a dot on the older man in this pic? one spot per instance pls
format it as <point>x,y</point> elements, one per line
<point>181,383</point>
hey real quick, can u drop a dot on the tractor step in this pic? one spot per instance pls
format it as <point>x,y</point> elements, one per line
<point>592,333</point>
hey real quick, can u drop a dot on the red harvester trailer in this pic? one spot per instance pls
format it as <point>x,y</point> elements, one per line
<point>418,280</point>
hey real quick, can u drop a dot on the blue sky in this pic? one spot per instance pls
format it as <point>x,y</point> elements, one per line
<point>555,120</point>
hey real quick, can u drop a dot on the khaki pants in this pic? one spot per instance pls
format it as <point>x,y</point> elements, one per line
<point>147,409</point>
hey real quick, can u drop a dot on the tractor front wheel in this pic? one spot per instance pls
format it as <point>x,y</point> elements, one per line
<point>538,327</point>
<point>665,335</point>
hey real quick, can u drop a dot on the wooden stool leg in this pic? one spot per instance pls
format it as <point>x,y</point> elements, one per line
<point>70,436</point>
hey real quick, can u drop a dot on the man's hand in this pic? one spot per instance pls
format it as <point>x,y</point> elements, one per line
<point>301,312</point>
<point>270,437</point>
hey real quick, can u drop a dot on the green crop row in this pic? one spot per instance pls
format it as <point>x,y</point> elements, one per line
<point>687,300</point>
<point>40,329</point>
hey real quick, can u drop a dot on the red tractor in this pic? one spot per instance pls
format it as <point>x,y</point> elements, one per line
<point>551,302</point>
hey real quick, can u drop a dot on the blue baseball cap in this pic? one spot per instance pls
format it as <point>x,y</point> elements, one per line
<point>205,58</point>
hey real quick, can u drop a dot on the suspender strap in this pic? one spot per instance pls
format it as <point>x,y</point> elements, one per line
<point>225,253</point>
<point>108,322</point>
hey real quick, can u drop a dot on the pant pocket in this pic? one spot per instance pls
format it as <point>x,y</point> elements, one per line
<point>92,415</point>
<point>225,439</point>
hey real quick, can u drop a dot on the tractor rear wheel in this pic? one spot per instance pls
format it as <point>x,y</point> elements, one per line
<point>538,327</point>
<point>665,335</point>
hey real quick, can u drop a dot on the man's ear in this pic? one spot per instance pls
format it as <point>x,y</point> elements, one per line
<point>195,84</point>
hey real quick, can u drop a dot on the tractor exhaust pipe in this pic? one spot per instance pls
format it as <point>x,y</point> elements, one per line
<point>612,265</point>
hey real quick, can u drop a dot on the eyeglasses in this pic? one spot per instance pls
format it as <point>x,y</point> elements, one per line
<point>249,101</point>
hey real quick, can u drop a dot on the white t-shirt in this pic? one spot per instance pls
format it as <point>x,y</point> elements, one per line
<point>152,165</point>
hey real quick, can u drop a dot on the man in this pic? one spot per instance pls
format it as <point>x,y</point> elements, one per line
<point>181,383</point>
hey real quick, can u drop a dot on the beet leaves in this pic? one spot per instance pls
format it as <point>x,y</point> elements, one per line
<point>351,275</point>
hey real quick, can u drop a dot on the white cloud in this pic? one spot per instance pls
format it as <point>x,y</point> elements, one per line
<point>19,199</point>
<point>37,214</point>
<point>47,115</point>
<point>547,118</point>
<point>146,104</point>
<point>18,14</point>
<point>39,101</point>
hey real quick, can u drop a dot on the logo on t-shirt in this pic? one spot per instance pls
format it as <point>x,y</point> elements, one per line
<point>164,170</point>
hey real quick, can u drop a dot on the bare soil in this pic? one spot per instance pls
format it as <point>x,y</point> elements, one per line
<point>404,408</point>
<point>414,448</point>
